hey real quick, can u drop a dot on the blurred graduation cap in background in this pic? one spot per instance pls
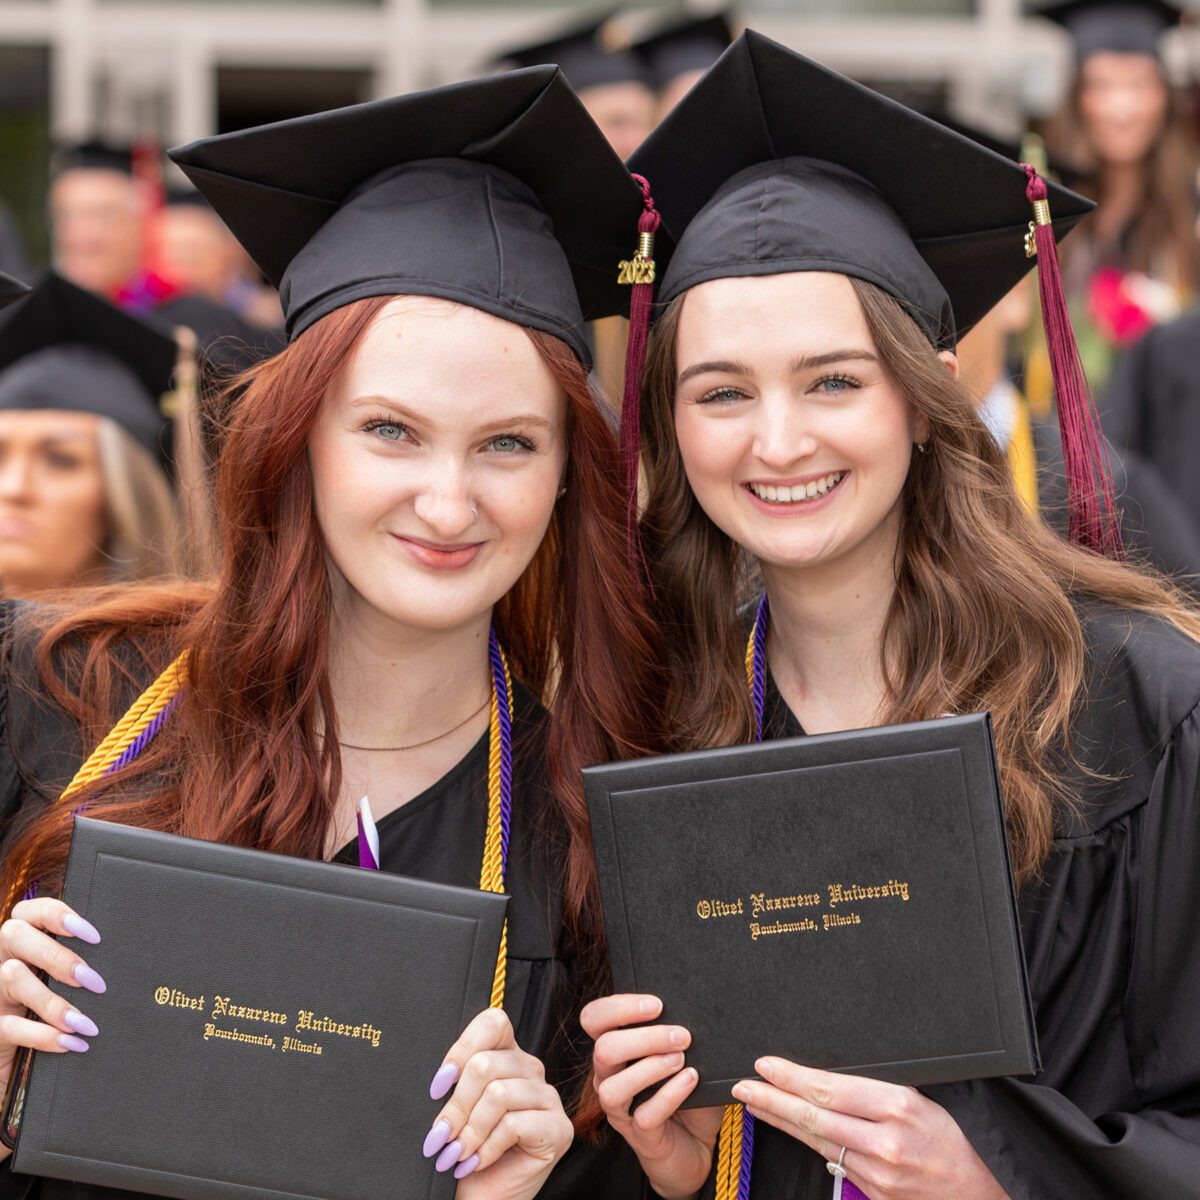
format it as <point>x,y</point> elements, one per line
<point>684,45</point>
<point>64,348</point>
<point>1114,26</point>
<point>590,53</point>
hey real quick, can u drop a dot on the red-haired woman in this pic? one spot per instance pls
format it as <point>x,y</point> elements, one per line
<point>419,510</point>
<point>802,412</point>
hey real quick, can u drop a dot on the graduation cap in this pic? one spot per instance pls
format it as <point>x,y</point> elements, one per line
<point>64,348</point>
<point>589,54</point>
<point>1030,149</point>
<point>497,193</point>
<point>11,290</point>
<point>1116,26</point>
<point>684,45</point>
<point>774,164</point>
<point>186,197</point>
<point>92,155</point>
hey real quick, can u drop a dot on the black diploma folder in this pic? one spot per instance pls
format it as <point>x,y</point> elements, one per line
<point>271,1025</point>
<point>844,901</point>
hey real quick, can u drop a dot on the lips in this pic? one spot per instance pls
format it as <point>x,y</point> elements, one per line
<point>440,557</point>
<point>799,493</point>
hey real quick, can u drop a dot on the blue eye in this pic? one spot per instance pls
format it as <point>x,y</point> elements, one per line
<point>389,431</point>
<point>837,385</point>
<point>509,443</point>
<point>723,395</point>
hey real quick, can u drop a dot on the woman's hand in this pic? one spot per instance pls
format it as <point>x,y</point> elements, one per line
<point>899,1144</point>
<point>26,947</point>
<point>675,1148</point>
<point>503,1128</point>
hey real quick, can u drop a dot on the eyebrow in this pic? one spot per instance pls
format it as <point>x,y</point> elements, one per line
<point>501,423</point>
<point>811,361</point>
<point>803,362</point>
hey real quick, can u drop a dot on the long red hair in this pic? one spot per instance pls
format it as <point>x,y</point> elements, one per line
<point>241,761</point>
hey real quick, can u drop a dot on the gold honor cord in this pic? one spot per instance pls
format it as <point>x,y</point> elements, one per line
<point>491,874</point>
<point>150,705</point>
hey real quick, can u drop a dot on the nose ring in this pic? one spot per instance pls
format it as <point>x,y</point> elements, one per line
<point>474,510</point>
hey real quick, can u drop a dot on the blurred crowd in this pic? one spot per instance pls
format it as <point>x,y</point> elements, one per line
<point>111,369</point>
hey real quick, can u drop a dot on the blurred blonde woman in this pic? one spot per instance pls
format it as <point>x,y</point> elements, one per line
<point>86,494</point>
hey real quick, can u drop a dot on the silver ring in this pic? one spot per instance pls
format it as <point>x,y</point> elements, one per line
<point>835,1168</point>
<point>474,510</point>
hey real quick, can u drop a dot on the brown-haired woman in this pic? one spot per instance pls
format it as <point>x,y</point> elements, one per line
<point>419,485</point>
<point>802,412</point>
<point>1130,135</point>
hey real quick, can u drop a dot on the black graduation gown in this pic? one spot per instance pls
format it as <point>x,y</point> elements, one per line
<point>1155,525</point>
<point>1113,948</point>
<point>1151,404</point>
<point>438,835</point>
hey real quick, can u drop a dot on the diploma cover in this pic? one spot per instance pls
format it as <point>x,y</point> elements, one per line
<point>271,1024</point>
<point>843,900</point>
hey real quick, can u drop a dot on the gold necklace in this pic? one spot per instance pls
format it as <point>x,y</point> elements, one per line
<point>416,745</point>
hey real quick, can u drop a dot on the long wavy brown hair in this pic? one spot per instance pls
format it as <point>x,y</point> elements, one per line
<point>242,760</point>
<point>983,616</point>
<point>1162,239</point>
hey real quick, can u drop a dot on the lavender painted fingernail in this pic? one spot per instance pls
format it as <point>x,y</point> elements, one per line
<point>449,1156</point>
<point>436,1138</point>
<point>465,1167</point>
<point>80,1023</point>
<point>90,979</point>
<point>68,1041</point>
<point>85,931</point>
<point>443,1081</point>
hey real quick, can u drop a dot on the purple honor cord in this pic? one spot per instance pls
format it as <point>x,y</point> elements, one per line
<point>843,1189</point>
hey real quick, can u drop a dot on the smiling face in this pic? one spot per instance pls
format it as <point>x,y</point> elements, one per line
<point>436,460</point>
<point>52,513</point>
<point>795,441</point>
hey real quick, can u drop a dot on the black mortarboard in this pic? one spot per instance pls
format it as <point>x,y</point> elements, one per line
<point>1031,149</point>
<point>65,348</point>
<point>92,155</point>
<point>684,45</point>
<point>11,290</point>
<point>585,53</point>
<point>497,193</point>
<point>773,163</point>
<point>186,197</point>
<point>1116,26</point>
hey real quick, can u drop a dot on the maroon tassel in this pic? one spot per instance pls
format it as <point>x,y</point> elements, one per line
<point>638,272</point>
<point>1092,506</point>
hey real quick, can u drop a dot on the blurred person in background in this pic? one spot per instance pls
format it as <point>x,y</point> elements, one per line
<point>1152,404</point>
<point>1155,525</point>
<point>85,491</point>
<point>99,212</point>
<point>677,54</point>
<point>614,85</point>
<point>195,250</point>
<point>1136,263</point>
